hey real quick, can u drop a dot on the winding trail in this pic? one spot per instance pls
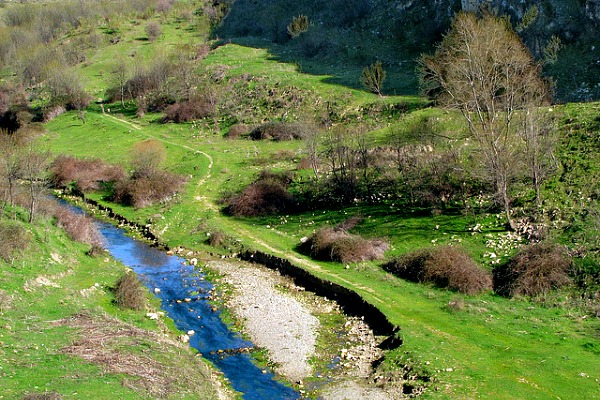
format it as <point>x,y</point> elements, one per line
<point>244,233</point>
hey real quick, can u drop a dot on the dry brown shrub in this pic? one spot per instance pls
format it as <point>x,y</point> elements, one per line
<point>267,195</point>
<point>217,238</point>
<point>445,266</point>
<point>196,108</point>
<point>86,174</point>
<point>129,292</point>
<point>278,131</point>
<point>14,240</point>
<point>236,131</point>
<point>153,30</point>
<point>534,270</point>
<point>331,244</point>
<point>78,226</point>
<point>146,190</point>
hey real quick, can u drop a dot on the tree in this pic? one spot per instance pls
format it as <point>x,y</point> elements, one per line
<point>373,76</point>
<point>34,165</point>
<point>120,77</point>
<point>11,149</point>
<point>147,156</point>
<point>482,68</point>
<point>298,26</point>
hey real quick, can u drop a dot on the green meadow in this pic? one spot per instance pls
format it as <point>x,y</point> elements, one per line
<point>460,346</point>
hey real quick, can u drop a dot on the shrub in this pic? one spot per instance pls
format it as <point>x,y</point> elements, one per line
<point>86,175</point>
<point>15,240</point>
<point>278,131</point>
<point>236,131</point>
<point>373,76</point>
<point>195,108</point>
<point>147,156</point>
<point>333,244</point>
<point>148,189</point>
<point>445,266</point>
<point>79,227</point>
<point>129,292</point>
<point>534,270</point>
<point>153,30</point>
<point>298,25</point>
<point>262,198</point>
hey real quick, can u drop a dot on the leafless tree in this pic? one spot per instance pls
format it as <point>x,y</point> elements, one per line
<point>482,68</point>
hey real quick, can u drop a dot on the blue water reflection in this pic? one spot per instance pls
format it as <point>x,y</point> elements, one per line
<point>179,282</point>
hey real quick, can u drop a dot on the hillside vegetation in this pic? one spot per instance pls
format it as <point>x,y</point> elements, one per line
<point>258,140</point>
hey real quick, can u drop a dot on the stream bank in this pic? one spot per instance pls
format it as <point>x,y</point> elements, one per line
<point>287,329</point>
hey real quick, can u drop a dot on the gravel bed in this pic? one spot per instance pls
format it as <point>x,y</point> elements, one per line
<point>274,321</point>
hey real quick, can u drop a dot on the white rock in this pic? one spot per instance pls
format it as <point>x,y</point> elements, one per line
<point>152,315</point>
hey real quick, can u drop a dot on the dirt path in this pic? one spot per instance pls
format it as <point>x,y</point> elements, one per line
<point>278,322</point>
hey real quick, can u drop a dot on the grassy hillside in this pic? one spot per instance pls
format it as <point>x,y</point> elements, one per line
<point>482,346</point>
<point>63,336</point>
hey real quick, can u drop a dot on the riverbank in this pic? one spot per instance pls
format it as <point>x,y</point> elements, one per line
<point>281,317</point>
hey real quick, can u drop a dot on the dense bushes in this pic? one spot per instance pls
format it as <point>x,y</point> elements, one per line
<point>267,195</point>
<point>146,185</point>
<point>278,131</point>
<point>129,292</point>
<point>148,189</point>
<point>335,244</point>
<point>535,270</point>
<point>14,240</point>
<point>200,106</point>
<point>79,228</point>
<point>443,266</point>
<point>83,175</point>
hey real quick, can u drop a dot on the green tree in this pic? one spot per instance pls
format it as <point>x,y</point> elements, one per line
<point>482,68</point>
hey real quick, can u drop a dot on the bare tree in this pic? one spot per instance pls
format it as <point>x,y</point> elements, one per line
<point>121,76</point>
<point>482,68</point>
<point>539,134</point>
<point>147,157</point>
<point>34,165</point>
<point>11,150</point>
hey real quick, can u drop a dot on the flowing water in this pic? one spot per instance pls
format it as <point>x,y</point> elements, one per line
<point>184,294</point>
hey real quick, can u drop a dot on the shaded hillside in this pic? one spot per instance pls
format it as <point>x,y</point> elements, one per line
<point>357,32</point>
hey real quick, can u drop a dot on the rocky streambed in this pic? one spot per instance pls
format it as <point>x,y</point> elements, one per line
<point>284,319</point>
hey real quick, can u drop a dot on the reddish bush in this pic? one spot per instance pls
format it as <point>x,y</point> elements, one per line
<point>79,227</point>
<point>196,108</point>
<point>87,175</point>
<point>278,131</point>
<point>262,198</point>
<point>153,30</point>
<point>535,270</point>
<point>15,240</point>
<point>237,131</point>
<point>443,266</point>
<point>331,244</point>
<point>148,189</point>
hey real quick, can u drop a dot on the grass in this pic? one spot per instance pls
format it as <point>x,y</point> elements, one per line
<point>489,348</point>
<point>48,287</point>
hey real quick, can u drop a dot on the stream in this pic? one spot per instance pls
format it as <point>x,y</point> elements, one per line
<point>184,294</point>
